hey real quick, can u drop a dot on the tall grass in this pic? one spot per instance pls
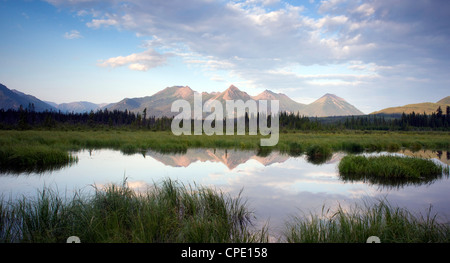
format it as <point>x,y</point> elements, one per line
<point>390,224</point>
<point>7,217</point>
<point>358,167</point>
<point>171,212</point>
<point>167,212</point>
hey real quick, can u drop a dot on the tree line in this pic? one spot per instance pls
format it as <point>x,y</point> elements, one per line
<point>28,118</point>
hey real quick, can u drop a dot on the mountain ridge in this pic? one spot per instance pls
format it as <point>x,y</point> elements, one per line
<point>159,104</point>
<point>14,99</point>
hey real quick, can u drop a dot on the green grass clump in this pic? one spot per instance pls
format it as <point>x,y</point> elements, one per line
<point>360,167</point>
<point>390,224</point>
<point>167,212</point>
<point>318,153</point>
<point>32,158</point>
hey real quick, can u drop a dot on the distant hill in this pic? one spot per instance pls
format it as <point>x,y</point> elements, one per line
<point>427,107</point>
<point>13,99</point>
<point>78,107</point>
<point>330,105</point>
<point>445,100</point>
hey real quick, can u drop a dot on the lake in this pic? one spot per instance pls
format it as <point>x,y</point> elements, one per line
<point>276,185</point>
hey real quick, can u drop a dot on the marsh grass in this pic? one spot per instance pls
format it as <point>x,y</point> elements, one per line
<point>318,154</point>
<point>170,212</point>
<point>6,222</point>
<point>355,225</point>
<point>360,167</point>
<point>34,158</point>
<point>40,150</point>
<point>166,212</point>
<point>37,151</point>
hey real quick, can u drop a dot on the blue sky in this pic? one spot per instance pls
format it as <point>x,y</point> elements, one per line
<point>374,53</point>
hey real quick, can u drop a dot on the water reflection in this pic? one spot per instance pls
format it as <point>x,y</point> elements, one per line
<point>275,184</point>
<point>442,156</point>
<point>392,183</point>
<point>35,168</point>
<point>230,158</point>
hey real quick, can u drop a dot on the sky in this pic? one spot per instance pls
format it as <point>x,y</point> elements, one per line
<point>373,53</point>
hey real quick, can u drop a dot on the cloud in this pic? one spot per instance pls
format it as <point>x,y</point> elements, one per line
<point>248,30</point>
<point>255,40</point>
<point>73,34</point>
<point>97,23</point>
<point>365,9</point>
<point>138,61</point>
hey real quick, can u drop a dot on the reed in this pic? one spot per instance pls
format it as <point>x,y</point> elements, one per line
<point>391,224</point>
<point>166,212</point>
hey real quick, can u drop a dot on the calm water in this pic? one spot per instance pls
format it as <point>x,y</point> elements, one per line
<point>275,187</point>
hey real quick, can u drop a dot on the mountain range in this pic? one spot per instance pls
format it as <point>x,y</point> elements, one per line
<point>159,104</point>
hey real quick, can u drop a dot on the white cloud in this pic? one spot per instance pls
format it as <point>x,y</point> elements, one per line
<point>97,23</point>
<point>73,34</point>
<point>255,40</point>
<point>138,61</point>
<point>365,9</point>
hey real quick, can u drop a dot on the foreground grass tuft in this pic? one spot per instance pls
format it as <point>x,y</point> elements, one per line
<point>390,224</point>
<point>167,212</point>
<point>171,212</point>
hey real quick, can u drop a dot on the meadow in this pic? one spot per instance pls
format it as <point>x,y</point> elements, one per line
<point>37,149</point>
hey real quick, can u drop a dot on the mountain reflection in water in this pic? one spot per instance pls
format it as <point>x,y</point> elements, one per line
<point>275,185</point>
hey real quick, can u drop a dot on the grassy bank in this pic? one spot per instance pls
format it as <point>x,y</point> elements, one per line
<point>390,224</point>
<point>31,148</point>
<point>22,158</point>
<point>168,212</point>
